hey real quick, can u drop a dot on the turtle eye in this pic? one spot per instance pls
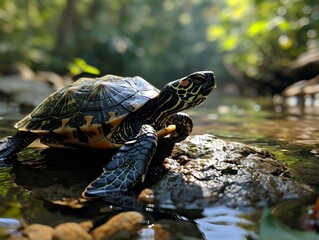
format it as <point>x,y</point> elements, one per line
<point>199,78</point>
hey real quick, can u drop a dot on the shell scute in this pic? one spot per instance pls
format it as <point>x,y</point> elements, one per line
<point>88,103</point>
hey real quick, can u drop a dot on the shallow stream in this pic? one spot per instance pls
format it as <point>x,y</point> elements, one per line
<point>292,134</point>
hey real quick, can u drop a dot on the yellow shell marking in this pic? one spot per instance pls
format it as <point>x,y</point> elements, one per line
<point>88,119</point>
<point>64,122</point>
<point>62,129</point>
<point>112,115</point>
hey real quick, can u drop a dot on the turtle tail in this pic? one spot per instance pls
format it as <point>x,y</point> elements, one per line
<point>13,144</point>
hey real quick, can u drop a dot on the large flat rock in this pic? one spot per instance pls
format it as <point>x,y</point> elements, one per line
<point>205,171</point>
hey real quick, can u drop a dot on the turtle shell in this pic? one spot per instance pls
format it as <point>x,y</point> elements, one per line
<point>88,103</point>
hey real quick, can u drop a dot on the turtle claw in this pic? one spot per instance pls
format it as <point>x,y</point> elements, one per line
<point>91,192</point>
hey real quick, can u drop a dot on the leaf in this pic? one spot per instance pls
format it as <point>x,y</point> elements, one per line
<point>284,25</point>
<point>230,43</point>
<point>215,32</point>
<point>257,28</point>
<point>271,228</point>
<point>79,66</point>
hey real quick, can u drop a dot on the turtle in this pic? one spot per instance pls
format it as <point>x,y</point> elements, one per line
<point>126,113</point>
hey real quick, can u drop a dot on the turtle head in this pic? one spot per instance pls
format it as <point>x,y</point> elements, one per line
<point>181,94</point>
<point>193,89</point>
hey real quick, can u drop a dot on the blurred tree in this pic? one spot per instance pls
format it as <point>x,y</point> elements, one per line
<point>260,38</point>
<point>65,25</point>
<point>26,29</point>
<point>158,40</point>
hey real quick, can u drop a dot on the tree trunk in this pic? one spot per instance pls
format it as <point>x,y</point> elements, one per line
<point>66,24</point>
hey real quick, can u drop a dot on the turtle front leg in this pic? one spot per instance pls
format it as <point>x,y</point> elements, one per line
<point>14,144</point>
<point>128,166</point>
<point>183,123</point>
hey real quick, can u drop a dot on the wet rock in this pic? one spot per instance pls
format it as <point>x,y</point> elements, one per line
<point>205,171</point>
<point>306,65</point>
<point>53,79</point>
<point>87,225</point>
<point>70,231</point>
<point>16,236</point>
<point>38,232</point>
<point>124,225</point>
<point>305,90</point>
<point>170,229</point>
<point>17,92</point>
<point>24,89</point>
<point>160,232</point>
<point>74,203</point>
<point>146,196</point>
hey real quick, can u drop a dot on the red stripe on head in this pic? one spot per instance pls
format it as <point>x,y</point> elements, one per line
<point>185,83</point>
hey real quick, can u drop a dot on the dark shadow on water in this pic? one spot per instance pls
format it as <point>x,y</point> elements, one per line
<point>69,171</point>
<point>53,174</point>
<point>72,169</point>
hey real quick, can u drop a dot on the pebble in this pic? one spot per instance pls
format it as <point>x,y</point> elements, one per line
<point>87,225</point>
<point>70,231</point>
<point>16,237</point>
<point>160,233</point>
<point>124,225</point>
<point>146,196</point>
<point>38,232</point>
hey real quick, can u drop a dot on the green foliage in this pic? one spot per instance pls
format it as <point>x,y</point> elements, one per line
<point>79,66</point>
<point>160,41</point>
<point>261,37</point>
<point>26,31</point>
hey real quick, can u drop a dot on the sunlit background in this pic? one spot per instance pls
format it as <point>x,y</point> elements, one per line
<point>252,45</point>
<point>265,54</point>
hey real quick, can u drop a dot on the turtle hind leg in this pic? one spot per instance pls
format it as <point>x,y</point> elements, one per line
<point>128,166</point>
<point>14,144</point>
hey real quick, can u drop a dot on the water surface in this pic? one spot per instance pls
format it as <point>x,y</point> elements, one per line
<point>291,133</point>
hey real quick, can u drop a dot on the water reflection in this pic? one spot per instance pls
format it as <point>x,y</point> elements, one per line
<point>225,223</point>
<point>248,120</point>
<point>9,226</point>
<point>292,133</point>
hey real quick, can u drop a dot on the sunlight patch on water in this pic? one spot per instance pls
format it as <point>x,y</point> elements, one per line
<point>221,222</point>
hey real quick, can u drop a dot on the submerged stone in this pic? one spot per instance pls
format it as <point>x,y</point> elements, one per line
<point>206,171</point>
<point>38,232</point>
<point>124,225</point>
<point>70,230</point>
